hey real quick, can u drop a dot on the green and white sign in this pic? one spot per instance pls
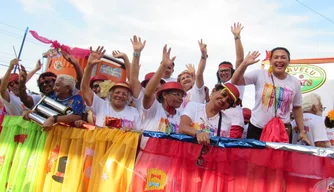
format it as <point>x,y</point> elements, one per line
<point>311,77</point>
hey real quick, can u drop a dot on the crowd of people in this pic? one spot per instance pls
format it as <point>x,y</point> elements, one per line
<point>184,104</point>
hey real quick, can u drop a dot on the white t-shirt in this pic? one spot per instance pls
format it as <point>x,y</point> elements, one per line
<point>200,121</point>
<point>138,101</point>
<point>170,79</point>
<point>15,106</point>
<point>156,119</point>
<point>235,115</point>
<point>288,93</point>
<point>315,129</point>
<point>194,94</point>
<point>102,109</point>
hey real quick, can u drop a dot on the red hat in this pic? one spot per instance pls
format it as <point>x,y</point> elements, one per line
<point>13,77</point>
<point>148,76</point>
<point>122,84</point>
<point>225,64</point>
<point>170,86</point>
<point>233,92</point>
<point>247,114</point>
<point>99,77</point>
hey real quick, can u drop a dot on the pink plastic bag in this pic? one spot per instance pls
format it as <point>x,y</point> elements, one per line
<point>274,131</point>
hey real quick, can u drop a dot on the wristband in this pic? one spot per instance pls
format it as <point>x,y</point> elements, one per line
<point>236,37</point>
<point>198,132</point>
<point>205,56</point>
<point>136,54</point>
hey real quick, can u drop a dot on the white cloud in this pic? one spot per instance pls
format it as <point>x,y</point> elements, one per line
<point>36,6</point>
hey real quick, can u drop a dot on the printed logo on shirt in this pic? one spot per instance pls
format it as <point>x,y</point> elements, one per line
<point>168,127</point>
<point>283,97</point>
<point>311,77</point>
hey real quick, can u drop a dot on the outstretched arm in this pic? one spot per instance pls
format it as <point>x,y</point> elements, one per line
<point>152,85</point>
<point>32,73</point>
<point>4,81</point>
<point>199,80</point>
<point>25,99</point>
<point>239,50</point>
<point>124,57</point>
<point>138,46</point>
<point>71,59</point>
<point>238,76</point>
<point>93,59</point>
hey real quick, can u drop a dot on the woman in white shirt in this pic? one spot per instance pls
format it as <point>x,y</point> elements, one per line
<point>205,120</point>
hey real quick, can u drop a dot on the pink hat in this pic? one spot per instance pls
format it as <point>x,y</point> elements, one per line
<point>13,77</point>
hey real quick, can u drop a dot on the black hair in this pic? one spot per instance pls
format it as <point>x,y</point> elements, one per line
<point>46,74</point>
<point>43,75</point>
<point>280,48</point>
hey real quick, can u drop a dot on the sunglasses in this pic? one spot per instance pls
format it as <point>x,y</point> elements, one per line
<point>46,82</point>
<point>11,84</point>
<point>200,160</point>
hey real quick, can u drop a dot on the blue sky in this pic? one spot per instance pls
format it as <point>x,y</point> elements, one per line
<point>82,23</point>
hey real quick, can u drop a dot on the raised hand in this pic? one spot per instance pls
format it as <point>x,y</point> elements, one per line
<point>236,29</point>
<point>70,58</point>
<point>118,54</point>
<point>166,60</point>
<point>137,45</point>
<point>95,56</point>
<point>251,58</point>
<point>13,63</point>
<point>203,48</point>
<point>22,75</point>
<point>38,65</point>
<point>191,69</point>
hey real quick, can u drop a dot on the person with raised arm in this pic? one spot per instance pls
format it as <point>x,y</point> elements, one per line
<point>46,82</point>
<point>203,121</point>
<point>10,91</point>
<point>159,109</point>
<point>224,75</point>
<point>138,87</point>
<point>114,113</point>
<point>276,92</point>
<point>194,84</point>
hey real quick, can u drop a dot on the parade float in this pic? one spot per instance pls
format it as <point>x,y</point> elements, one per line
<point>108,159</point>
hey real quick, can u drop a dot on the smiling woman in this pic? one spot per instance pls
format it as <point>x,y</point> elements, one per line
<point>276,92</point>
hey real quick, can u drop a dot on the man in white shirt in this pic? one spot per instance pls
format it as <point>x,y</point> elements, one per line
<point>313,122</point>
<point>167,77</point>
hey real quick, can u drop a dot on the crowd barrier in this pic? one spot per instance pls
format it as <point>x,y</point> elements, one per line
<point>72,159</point>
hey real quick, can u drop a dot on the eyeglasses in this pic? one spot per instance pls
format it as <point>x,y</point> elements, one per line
<point>11,84</point>
<point>95,86</point>
<point>177,94</point>
<point>200,160</point>
<point>323,108</point>
<point>46,82</point>
<point>225,70</point>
